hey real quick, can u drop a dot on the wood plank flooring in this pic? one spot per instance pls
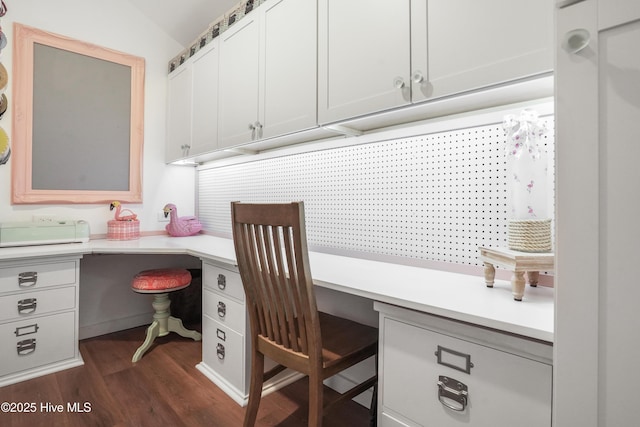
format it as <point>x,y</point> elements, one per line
<point>163,389</point>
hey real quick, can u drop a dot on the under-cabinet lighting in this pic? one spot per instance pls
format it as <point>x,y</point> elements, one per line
<point>343,130</point>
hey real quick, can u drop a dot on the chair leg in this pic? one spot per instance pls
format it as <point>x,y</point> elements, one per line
<point>175,325</point>
<point>373,409</point>
<point>255,388</point>
<point>153,331</point>
<point>316,400</point>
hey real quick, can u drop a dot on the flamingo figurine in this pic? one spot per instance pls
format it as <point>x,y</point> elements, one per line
<point>119,212</point>
<point>180,226</point>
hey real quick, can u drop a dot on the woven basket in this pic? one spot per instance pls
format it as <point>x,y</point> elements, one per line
<point>123,230</point>
<point>530,235</point>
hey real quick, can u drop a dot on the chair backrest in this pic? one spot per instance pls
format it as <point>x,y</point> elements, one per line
<point>272,255</point>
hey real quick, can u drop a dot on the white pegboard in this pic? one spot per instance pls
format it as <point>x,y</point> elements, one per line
<point>434,197</point>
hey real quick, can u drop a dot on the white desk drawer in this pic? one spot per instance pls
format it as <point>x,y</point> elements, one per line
<point>226,282</point>
<point>35,303</point>
<point>223,351</point>
<point>227,311</point>
<point>416,385</point>
<point>35,276</point>
<point>35,342</point>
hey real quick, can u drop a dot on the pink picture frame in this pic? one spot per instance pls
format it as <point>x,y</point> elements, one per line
<point>22,191</point>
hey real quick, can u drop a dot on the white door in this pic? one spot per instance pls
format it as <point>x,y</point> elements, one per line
<point>238,83</point>
<point>288,59</point>
<point>205,100</point>
<point>473,44</point>
<point>597,176</point>
<point>179,113</point>
<point>363,57</point>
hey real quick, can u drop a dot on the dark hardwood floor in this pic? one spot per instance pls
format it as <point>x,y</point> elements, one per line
<point>163,389</point>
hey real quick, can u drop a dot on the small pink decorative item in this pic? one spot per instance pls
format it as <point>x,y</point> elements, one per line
<point>120,213</point>
<point>180,226</point>
<point>125,226</point>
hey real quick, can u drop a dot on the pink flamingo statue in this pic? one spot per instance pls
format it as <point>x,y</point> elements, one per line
<point>119,212</point>
<point>180,226</point>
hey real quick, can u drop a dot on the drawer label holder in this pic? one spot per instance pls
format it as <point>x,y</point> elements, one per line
<point>454,359</point>
<point>26,330</point>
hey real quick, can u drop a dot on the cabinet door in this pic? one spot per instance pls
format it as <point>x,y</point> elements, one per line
<point>363,57</point>
<point>238,88</point>
<point>179,112</point>
<point>288,60</point>
<point>205,100</point>
<point>474,44</point>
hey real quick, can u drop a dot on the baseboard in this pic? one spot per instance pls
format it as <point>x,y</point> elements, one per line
<point>44,370</point>
<point>114,325</point>
<point>276,383</point>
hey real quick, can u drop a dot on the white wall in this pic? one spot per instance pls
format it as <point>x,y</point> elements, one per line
<point>115,25</point>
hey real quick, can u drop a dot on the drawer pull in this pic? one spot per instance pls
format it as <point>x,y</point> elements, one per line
<point>221,335</point>
<point>27,305</point>
<point>222,281</point>
<point>452,393</point>
<point>454,359</point>
<point>26,330</point>
<point>27,279</point>
<point>222,309</point>
<point>220,351</point>
<point>26,347</point>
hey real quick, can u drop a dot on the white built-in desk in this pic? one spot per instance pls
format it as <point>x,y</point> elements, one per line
<point>404,295</point>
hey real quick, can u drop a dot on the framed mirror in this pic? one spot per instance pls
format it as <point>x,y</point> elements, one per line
<point>78,121</point>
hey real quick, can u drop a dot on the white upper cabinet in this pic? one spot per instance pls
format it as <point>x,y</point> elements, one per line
<point>468,44</point>
<point>179,112</point>
<point>204,129</point>
<point>363,57</point>
<point>192,117</point>
<point>239,68</point>
<point>380,55</point>
<point>268,73</point>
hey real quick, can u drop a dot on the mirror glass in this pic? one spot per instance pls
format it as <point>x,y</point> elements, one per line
<point>77,121</point>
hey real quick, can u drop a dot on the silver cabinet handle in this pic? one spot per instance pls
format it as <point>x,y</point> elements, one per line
<point>452,390</point>
<point>27,279</point>
<point>252,128</point>
<point>222,281</point>
<point>26,347</point>
<point>398,82</point>
<point>27,305</point>
<point>259,129</point>
<point>222,309</point>
<point>220,351</point>
<point>576,40</point>
<point>417,77</point>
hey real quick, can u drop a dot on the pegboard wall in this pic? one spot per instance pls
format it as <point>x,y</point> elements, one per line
<point>434,197</point>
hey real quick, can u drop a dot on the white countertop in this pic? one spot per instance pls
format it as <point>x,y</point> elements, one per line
<point>453,295</point>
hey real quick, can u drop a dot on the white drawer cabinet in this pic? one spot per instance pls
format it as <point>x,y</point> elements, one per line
<point>224,352</point>
<point>226,359</point>
<point>38,317</point>
<point>438,372</point>
<point>36,342</point>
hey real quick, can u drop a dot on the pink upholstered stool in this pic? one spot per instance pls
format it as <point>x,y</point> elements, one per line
<point>160,282</point>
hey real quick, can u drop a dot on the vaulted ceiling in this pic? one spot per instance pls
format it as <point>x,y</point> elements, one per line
<point>184,20</point>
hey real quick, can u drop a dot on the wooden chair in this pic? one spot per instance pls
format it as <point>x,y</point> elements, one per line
<point>286,326</point>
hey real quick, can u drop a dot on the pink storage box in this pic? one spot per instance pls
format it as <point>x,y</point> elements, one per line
<point>123,230</point>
